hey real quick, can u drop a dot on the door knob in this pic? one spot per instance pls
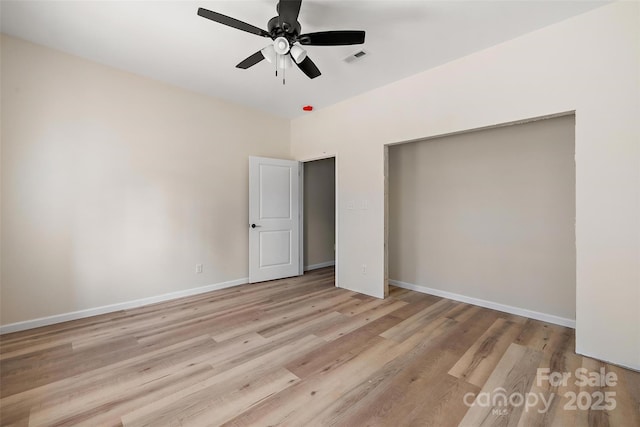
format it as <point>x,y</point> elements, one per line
<point>254,226</point>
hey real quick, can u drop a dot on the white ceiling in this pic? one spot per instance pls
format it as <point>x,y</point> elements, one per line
<point>168,41</point>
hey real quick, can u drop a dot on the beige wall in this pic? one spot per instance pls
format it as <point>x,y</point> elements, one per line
<point>590,64</point>
<point>115,186</point>
<point>319,211</point>
<point>489,215</point>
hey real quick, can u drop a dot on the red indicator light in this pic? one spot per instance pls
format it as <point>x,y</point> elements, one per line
<point>307,108</point>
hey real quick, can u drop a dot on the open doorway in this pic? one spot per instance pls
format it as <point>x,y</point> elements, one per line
<point>319,214</point>
<point>487,217</point>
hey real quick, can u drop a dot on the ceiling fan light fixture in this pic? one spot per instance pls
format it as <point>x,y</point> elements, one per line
<point>269,53</point>
<point>281,45</point>
<point>284,62</point>
<point>298,53</point>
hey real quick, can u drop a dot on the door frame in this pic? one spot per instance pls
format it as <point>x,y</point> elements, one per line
<point>337,202</point>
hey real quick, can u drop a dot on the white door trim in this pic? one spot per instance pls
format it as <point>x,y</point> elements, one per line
<point>301,218</point>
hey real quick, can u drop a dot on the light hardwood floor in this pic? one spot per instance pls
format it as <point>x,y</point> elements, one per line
<point>300,352</point>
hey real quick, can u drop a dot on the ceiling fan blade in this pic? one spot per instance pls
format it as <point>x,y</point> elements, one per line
<point>309,68</point>
<point>231,22</point>
<point>332,38</point>
<point>251,60</point>
<point>288,11</point>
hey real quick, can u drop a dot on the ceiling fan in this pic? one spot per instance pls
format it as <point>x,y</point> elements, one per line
<point>285,31</point>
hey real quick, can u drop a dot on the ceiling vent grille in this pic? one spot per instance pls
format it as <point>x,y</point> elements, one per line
<point>356,56</point>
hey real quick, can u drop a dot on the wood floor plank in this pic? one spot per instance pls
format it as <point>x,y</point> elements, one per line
<point>361,306</point>
<point>320,389</point>
<point>16,405</point>
<point>550,408</point>
<point>230,380</point>
<point>556,345</point>
<point>478,362</point>
<point>360,320</point>
<point>409,326</point>
<point>296,405</point>
<point>51,370</point>
<point>626,395</point>
<point>341,350</point>
<point>103,409</point>
<point>409,388</point>
<point>298,351</point>
<point>388,394</point>
<point>514,375</point>
<point>463,312</point>
<point>212,405</point>
<point>270,320</point>
<point>415,306</point>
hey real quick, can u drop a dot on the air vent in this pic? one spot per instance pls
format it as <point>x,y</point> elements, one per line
<point>356,56</point>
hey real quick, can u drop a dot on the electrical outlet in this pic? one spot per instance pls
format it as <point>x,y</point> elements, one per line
<point>364,269</point>
<point>198,268</point>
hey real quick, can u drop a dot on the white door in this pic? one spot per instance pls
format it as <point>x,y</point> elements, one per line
<point>274,220</point>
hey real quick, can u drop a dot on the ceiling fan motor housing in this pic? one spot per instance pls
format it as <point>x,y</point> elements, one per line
<point>277,28</point>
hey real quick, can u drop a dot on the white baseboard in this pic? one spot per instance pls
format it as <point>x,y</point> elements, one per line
<point>81,314</point>
<point>317,266</point>
<point>550,318</point>
<point>635,368</point>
